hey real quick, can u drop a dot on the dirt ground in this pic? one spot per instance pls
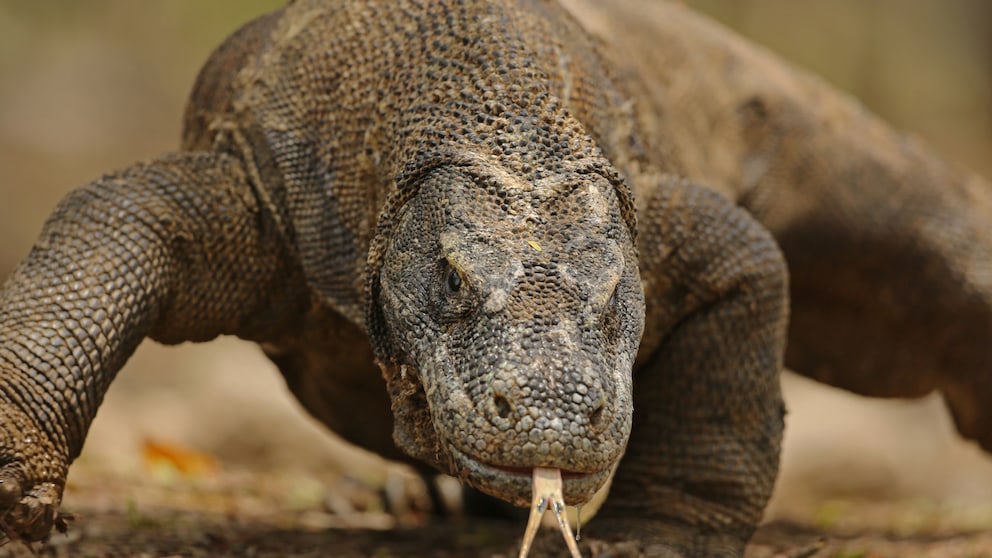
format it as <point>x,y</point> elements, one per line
<point>251,514</point>
<point>215,459</point>
<point>200,451</point>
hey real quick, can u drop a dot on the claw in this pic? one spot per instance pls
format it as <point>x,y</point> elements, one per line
<point>62,521</point>
<point>547,492</point>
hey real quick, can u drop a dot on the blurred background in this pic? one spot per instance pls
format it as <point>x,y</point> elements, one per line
<point>86,87</point>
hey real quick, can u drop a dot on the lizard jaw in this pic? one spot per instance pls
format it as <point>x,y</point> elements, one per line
<point>514,484</point>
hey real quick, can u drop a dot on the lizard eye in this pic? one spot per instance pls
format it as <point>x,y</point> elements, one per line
<point>453,282</point>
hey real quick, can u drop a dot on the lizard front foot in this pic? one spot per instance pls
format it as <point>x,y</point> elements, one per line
<point>30,517</point>
<point>32,475</point>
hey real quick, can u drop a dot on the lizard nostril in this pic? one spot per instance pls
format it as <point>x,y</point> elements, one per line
<point>596,416</point>
<point>503,408</point>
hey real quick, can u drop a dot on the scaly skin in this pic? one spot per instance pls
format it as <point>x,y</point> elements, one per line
<point>448,191</point>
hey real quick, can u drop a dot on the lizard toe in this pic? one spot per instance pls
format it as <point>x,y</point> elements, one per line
<point>32,476</point>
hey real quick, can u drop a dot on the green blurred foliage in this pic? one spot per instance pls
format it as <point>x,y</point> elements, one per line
<point>88,86</point>
<point>924,65</point>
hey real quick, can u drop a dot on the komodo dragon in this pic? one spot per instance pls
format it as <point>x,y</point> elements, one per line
<point>424,212</point>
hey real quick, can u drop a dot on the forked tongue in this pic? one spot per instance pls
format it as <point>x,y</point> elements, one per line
<point>547,494</point>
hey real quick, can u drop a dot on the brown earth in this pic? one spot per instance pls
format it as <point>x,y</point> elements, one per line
<point>229,514</point>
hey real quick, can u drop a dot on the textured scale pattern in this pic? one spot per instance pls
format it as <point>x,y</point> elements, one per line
<point>489,237</point>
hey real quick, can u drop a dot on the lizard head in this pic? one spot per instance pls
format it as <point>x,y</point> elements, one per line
<point>510,312</point>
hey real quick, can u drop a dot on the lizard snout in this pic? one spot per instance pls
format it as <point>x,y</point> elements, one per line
<point>536,415</point>
<point>520,407</point>
<point>541,414</point>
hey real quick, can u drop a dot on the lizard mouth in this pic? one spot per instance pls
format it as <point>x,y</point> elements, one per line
<point>513,483</point>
